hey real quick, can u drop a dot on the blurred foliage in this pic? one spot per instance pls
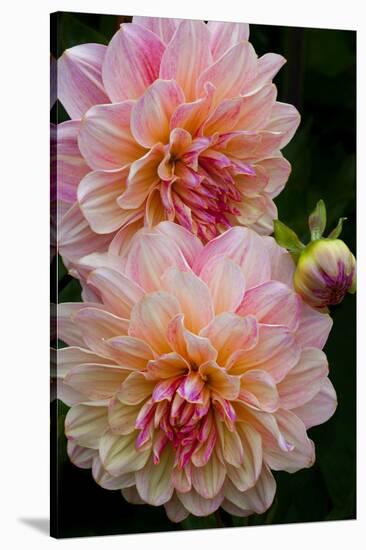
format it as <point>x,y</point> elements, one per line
<point>320,80</point>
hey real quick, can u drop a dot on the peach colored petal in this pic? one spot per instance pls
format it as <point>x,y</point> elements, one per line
<point>67,330</point>
<point>129,352</point>
<point>154,210</point>
<point>119,293</point>
<point>131,62</point>
<point>229,73</point>
<point>153,481</point>
<point>209,479</point>
<point>150,118</point>
<point>189,244</point>
<point>219,381</point>
<point>258,389</point>
<point>276,352</point>
<point>198,505</point>
<point>96,381</point>
<point>301,456</point>
<point>169,365</point>
<point>149,258</point>
<point>142,178</point>
<point>135,388</point>
<point>82,457</point>
<point>229,332</point>
<point>105,480</point>
<point>97,326</point>
<point>282,265</point>
<point>314,327</point>
<point>305,380</point>
<point>193,296</point>
<point>278,170</point>
<point>121,417</point>
<point>105,138</point>
<point>119,455</point>
<point>319,409</point>
<point>191,116</point>
<point>285,118</point>
<point>267,67</point>
<point>71,166</point>
<point>225,35</point>
<point>175,510</point>
<point>150,319</point>
<point>226,282</point>
<point>186,56</point>
<point>163,27</point>
<point>245,248</point>
<point>97,195</point>
<point>272,303</point>
<point>86,423</point>
<point>257,499</point>
<point>79,78</point>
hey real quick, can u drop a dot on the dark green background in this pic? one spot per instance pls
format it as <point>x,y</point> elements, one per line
<point>320,80</point>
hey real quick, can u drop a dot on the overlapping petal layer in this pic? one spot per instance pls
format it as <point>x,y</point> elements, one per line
<point>186,113</point>
<point>194,373</point>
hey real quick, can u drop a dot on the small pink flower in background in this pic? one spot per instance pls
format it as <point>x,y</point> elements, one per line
<point>194,372</point>
<point>173,120</point>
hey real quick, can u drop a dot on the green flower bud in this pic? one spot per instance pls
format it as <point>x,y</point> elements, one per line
<point>325,272</point>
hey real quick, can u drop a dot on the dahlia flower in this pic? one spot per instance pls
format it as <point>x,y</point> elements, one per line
<point>325,272</point>
<point>173,120</point>
<point>195,372</point>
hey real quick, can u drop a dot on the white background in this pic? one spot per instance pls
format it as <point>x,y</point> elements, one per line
<point>24,416</point>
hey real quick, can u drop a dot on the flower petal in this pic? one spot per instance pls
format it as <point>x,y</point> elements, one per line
<point>219,381</point>
<point>71,167</point>
<point>97,195</point>
<point>229,73</point>
<point>282,265</point>
<point>193,296</point>
<point>189,244</point>
<point>150,118</point>
<point>150,257</point>
<point>314,327</point>
<point>79,78</point>
<point>153,481</point>
<point>245,248</point>
<point>187,55</point>
<point>129,352</point>
<point>229,332</point>
<point>169,365</point>
<point>245,474</point>
<point>105,480</point>
<point>267,67</point>
<point>150,319</point>
<point>121,417</point>
<point>209,479</point>
<point>285,118</point>
<point>258,389</point>
<point>82,457</point>
<point>301,456</point>
<point>119,293</point>
<point>163,27</point>
<point>119,455</point>
<point>257,499</point>
<point>225,35</point>
<point>226,282</point>
<point>276,353</point>
<point>175,510</point>
<point>320,408</point>
<point>198,505</point>
<point>272,303</point>
<point>131,62</point>
<point>305,380</point>
<point>135,388</point>
<point>105,139</point>
<point>190,116</point>
<point>86,423</point>
<point>97,326</point>
<point>96,381</point>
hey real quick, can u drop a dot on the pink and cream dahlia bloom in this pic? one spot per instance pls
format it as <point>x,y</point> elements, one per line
<point>195,372</point>
<point>173,120</point>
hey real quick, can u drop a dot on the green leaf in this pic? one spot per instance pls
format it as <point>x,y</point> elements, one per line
<point>318,221</point>
<point>337,230</point>
<point>288,239</point>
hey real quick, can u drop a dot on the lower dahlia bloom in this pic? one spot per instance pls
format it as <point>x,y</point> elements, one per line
<point>173,120</point>
<point>196,371</point>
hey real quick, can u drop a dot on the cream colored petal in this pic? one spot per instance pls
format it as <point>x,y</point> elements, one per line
<point>86,423</point>
<point>119,455</point>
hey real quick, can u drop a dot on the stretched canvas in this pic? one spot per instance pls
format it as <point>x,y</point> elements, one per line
<point>203,225</point>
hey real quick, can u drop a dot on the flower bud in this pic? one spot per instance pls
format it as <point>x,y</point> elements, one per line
<point>325,272</point>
